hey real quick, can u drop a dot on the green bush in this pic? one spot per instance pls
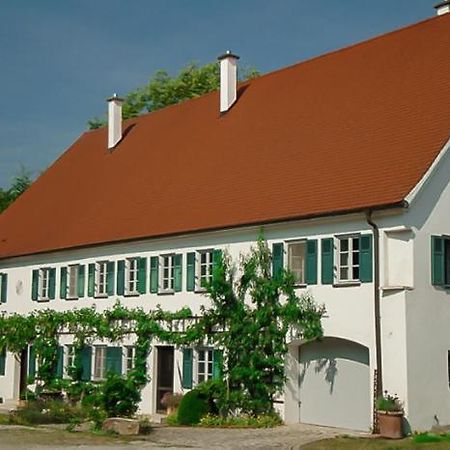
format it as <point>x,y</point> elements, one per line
<point>120,398</point>
<point>193,407</point>
<point>244,421</point>
<point>172,419</point>
<point>422,438</point>
<point>46,412</point>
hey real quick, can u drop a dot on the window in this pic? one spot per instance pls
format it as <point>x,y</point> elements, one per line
<point>101,277</point>
<point>69,358</point>
<point>168,273</point>
<point>132,275</point>
<point>297,261</point>
<point>348,258</point>
<point>73,281</point>
<point>99,362</point>
<point>44,284</point>
<point>205,364</point>
<point>205,267</point>
<point>2,362</point>
<point>3,287</point>
<point>130,355</point>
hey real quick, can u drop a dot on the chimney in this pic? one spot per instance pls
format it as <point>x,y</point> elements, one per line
<point>443,7</point>
<point>114,121</point>
<point>228,80</point>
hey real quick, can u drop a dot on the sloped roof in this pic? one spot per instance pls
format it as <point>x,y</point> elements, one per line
<point>353,129</point>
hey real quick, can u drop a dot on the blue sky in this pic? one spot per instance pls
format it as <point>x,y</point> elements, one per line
<point>60,60</point>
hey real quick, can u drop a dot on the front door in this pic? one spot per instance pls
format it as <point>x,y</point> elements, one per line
<point>164,380</point>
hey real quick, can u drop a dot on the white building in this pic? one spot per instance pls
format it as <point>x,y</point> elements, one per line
<point>343,159</point>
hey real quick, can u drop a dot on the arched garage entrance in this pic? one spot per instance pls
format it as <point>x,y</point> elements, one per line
<point>334,384</point>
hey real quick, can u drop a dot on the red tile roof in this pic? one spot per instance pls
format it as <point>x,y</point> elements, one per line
<point>353,129</point>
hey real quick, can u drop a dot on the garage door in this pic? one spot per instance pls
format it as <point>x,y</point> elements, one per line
<point>335,384</point>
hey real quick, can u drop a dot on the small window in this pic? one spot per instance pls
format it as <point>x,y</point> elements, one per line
<point>205,267</point>
<point>130,355</point>
<point>168,273</point>
<point>297,261</point>
<point>73,281</point>
<point>44,284</point>
<point>101,277</point>
<point>99,362</point>
<point>348,258</point>
<point>132,274</point>
<point>205,364</point>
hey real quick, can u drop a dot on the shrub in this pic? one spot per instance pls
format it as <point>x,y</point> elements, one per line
<point>422,438</point>
<point>193,407</point>
<point>244,421</point>
<point>119,396</point>
<point>389,403</point>
<point>172,419</point>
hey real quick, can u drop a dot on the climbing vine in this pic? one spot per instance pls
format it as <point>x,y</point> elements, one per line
<point>249,316</point>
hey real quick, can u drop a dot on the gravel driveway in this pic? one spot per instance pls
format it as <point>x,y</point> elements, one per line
<point>283,437</point>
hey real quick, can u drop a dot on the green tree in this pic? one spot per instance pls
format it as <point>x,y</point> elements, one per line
<point>19,185</point>
<point>163,90</point>
<point>255,312</point>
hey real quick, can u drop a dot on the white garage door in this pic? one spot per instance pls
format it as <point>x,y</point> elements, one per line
<point>335,384</point>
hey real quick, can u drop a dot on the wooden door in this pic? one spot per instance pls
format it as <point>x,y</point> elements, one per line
<point>165,373</point>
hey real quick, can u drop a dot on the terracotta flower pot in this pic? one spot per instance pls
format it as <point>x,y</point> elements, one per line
<point>390,424</point>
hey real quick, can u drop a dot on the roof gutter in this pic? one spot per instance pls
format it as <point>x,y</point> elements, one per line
<point>377,314</point>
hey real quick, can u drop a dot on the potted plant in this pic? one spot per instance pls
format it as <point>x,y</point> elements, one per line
<point>390,416</point>
<point>171,401</point>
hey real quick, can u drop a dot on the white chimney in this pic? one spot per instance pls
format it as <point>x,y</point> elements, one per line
<point>114,120</point>
<point>228,80</point>
<point>443,8</point>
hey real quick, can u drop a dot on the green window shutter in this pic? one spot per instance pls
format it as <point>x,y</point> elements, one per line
<point>63,283</point>
<point>52,283</point>
<point>277,259</point>
<point>187,368</point>
<point>142,275</point>
<point>3,362</point>
<point>311,261</point>
<point>190,271</point>
<point>59,362</point>
<point>110,278</point>
<point>178,273</point>
<point>31,361</point>
<point>217,364</point>
<point>365,258</point>
<point>120,277</point>
<point>437,261</point>
<point>4,287</point>
<point>91,280</point>
<point>35,285</point>
<point>114,360</point>
<point>86,361</point>
<point>217,260</point>
<point>81,278</point>
<point>154,274</point>
<point>327,261</point>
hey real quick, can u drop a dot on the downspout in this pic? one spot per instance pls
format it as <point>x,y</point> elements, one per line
<point>376,295</point>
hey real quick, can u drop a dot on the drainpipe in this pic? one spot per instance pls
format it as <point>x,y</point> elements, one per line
<point>376,294</point>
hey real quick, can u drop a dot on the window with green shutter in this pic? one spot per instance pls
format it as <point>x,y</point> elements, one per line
<point>154,274</point>
<point>91,280</point>
<point>190,271</point>
<point>81,281</point>
<point>3,287</point>
<point>110,266</point>
<point>277,259</point>
<point>327,260</point>
<point>63,283</point>
<point>440,260</point>
<point>3,363</point>
<point>59,362</point>
<point>86,363</point>
<point>35,285</point>
<point>217,364</point>
<point>52,283</point>
<point>142,275</point>
<point>121,277</point>
<point>365,258</point>
<point>114,360</point>
<point>311,261</point>
<point>187,368</point>
<point>31,362</point>
<point>178,272</point>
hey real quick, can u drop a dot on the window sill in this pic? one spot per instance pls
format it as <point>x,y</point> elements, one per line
<point>71,298</point>
<point>166,293</point>
<point>43,300</point>
<point>131,294</point>
<point>300,285</point>
<point>199,290</point>
<point>101,296</point>
<point>347,284</point>
<point>397,288</point>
